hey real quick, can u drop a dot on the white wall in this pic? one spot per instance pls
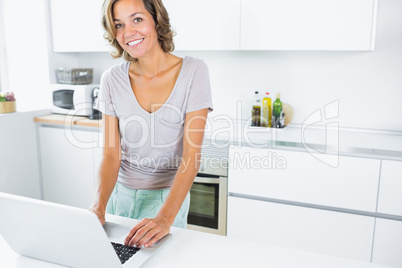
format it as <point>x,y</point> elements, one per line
<point>368,85</point>
<point>3,66</point>
<point>26,52</point>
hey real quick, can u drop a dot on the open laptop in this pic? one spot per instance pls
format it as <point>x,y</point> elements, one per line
<point>66,235</point>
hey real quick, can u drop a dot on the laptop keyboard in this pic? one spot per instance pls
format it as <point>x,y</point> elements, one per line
<point>124,252</point>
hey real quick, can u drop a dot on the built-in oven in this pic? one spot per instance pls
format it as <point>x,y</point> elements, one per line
<point>208,194</point>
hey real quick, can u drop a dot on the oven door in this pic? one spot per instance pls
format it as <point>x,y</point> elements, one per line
<point>208,204</point>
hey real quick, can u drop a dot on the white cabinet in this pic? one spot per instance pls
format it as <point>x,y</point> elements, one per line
<point>327,232</point>
<point>76,26</point>
<point>67,166</point>
<point>97,153</point>
<point>308,24</point>
<point>390,193</point>
<point>388,243</point>
<point>206,24</point>
<point>300,177</point>
<point>232,24</point>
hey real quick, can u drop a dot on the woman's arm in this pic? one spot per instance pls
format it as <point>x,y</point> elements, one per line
<point>109,167</point>
<point>154,229</point>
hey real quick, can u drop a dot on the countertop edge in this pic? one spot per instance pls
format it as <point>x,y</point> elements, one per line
<point>266,138</point>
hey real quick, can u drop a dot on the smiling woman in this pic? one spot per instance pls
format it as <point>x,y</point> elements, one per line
<point>154,107</point>
<point>159,16</point>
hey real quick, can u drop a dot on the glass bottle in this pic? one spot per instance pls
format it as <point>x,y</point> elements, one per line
<point>277,111</point>
<point>266,111</point>
<point>256,111</point>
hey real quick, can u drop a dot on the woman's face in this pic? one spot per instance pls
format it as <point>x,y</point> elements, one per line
<point>135,28</point>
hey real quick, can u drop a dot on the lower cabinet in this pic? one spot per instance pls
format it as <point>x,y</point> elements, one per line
<point>334,233</point>
<point>67,166</point>
<point>300,177</point>
<point>97,154</point>
<point>388,242</point>
<point>390,189</point>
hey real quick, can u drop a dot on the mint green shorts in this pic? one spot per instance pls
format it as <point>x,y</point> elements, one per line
<point>140,204</point>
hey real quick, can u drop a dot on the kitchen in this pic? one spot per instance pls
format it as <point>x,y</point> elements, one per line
<point>363,84</point>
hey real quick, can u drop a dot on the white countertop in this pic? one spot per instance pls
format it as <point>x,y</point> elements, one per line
<point>333,140</point>
<point>380,144</point>
<point>189,248</point>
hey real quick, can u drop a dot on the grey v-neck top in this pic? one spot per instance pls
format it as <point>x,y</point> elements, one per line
<point>152,143</point>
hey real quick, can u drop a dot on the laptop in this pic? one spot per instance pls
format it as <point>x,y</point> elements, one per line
<point>67,235</point>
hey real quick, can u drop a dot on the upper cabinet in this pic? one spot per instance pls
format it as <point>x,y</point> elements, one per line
<point>205,24</point>
<point>232,24</point>
<point>76,26</point>
<point>308,24</point>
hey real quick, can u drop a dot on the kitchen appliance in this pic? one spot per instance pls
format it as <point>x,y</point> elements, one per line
<point>208,194</point>
<point>96,114</point>
<point>72,99</point>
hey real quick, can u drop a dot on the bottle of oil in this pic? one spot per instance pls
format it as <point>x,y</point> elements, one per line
<point>256,111</point>
<point>277,111</point>
<point>266,111</point>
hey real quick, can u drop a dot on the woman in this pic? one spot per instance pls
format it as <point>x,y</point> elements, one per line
<point>154,109</point>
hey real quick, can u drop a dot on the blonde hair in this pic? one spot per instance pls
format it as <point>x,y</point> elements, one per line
<point>162,27</point>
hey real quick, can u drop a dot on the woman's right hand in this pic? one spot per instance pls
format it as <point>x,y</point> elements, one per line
<point>100,213</point>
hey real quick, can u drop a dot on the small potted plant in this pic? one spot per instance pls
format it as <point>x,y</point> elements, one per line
<point>7,102</point>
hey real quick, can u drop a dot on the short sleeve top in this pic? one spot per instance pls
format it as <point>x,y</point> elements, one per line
<point>152,143</point>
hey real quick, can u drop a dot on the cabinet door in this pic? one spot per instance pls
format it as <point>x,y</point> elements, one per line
<point>300,177</point>
<point>97,153</point>
<point>307,24</point>
<point>76,26</point>
<point>327,232</point>
<point>205,25</point>
<point>390,194</point>
<point>67,169</point>
<point>388,242</point>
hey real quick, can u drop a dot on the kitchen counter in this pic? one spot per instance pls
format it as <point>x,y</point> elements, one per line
<point>189,248</point>
<point>59,119</point>
<point>315,139</point>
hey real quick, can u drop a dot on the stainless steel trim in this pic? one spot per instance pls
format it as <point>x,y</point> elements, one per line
<point>207,180</point>
<point>223,200</point>
<point>214,159</point>
<point>39,155</point>
<point>322,207</point>
<point>205,229</point>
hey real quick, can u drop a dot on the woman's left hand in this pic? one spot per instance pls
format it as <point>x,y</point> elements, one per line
<point>147,232</point>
